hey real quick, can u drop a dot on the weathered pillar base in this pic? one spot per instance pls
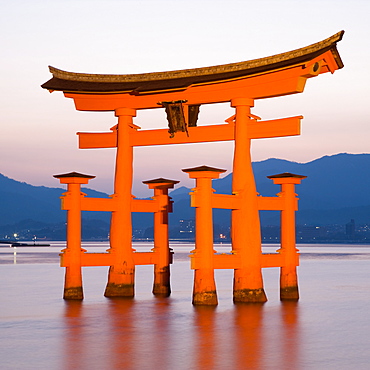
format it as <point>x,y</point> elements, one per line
<point>289,284</point>
<point>73,288</point>
<point>204,290</point>
<point>119,290</point>
<point>73,293</point>
<point>289,293</point>
<point>120,284</point>
<point>208,298</point>
<point>162,285</point>
<point>244,280</point>
<point>249,296</point>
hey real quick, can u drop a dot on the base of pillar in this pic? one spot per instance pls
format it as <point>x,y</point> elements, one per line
<point>249,296</point>
<point>161,283</point>
<point>205,298</point>
<point>160,290</point>
<point>290,293</point>
<point>119,290</point>
<point>74,293</point>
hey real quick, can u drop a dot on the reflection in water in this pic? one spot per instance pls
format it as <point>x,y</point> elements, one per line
<point>248,335</point>
<point>140,334</point>
<point>74,345</point>
<point>156,334</point>
<point>264,339</point>
<point>162,333</point>
<point>205,342</point>
<point>149,333</point>
<point>291,334</point>
<point>123,340</point>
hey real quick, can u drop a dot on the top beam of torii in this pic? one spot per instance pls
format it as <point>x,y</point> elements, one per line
<point>277,75</point>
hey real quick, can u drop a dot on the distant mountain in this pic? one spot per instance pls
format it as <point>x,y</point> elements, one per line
<point>337,189</point>
<point>21,201</point>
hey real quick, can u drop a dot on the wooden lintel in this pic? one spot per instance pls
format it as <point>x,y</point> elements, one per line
<point>144,205</point>
<point>270,203</point>
<point>145,258</point>
<point>89,259</point>
<point>97,140</point>
<point>99,204</point>
<point>233,261</point>
<point>225,201</point>
<point>223,132</point>
<point>220,261</point>
<point>290,126</point>
<point>226,261</point>
<point>200,134</point>
<point>107,259</point>
<point>111,204</point>
<point>272,260</point>
<point>278,260</point>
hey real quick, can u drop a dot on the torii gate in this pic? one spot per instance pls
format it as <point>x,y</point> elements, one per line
<point>181,93</point>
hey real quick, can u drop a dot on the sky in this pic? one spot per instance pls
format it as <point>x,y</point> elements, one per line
<point>38,129</point>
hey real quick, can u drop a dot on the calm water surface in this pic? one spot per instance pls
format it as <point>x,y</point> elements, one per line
<point>328,329</point>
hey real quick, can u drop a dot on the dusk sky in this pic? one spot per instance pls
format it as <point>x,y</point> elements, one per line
<point>38,129</point>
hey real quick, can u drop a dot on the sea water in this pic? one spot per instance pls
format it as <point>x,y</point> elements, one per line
<point>329,328</point>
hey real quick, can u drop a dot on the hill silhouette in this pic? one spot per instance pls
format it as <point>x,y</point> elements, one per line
<point>20,201</point>
<point>336,190</point>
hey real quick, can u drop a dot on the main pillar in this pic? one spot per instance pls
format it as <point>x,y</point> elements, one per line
<point>245,224</point>
<point>72,203</point>
<point>121,278</point>
<point>161,284</point>
<point>288,271</point>
<point>204,290</point>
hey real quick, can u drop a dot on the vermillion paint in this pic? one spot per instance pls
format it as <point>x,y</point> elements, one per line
<point>182,92</point>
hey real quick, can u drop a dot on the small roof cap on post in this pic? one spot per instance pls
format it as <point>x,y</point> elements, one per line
<point>74,178</point>
<point>286,178</point>
<point>161,183</point>
<point>203,168</point>
<point>204,171</point>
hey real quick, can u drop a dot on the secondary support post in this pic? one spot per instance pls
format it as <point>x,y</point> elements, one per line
<point>121,278</point>
<point>204,290</point>
<point>288,271</point>
<point>161,284</point>
<point>245,222</point>
<point>72,202</point>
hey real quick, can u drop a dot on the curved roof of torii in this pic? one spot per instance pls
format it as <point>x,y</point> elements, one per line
<point>137,84</point>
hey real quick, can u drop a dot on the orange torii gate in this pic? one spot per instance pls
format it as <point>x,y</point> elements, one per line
<point>181,93</point>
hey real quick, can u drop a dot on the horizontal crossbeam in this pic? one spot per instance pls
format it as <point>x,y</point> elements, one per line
<point>228,201</point>
<point>108,259</point>
<point>111,204</point>
<point>233,261</point>
<point>224,132</point>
